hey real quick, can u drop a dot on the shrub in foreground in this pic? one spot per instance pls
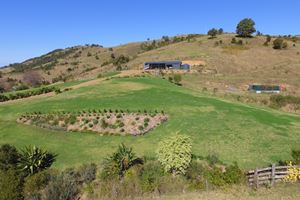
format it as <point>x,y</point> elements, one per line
<point>296,156</point>
<point>151,176</point>
<point>230,175</point>
<point>119,162</point>
<point>34,159</point>
<point>279,43</point>
<point>62,186</point>
<point>175,154</point>
<point>10,185</point>
<point>196,175</point>
<point>9,157</point>
<point>35,183</point>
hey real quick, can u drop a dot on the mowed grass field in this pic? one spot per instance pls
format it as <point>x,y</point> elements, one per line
<point>252,136</point>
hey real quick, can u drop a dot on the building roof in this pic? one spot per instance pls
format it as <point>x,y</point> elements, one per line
<point>164,62</point>
<point>264,87</point>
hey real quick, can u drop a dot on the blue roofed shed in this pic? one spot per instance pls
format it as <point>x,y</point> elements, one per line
<point>166,65</point>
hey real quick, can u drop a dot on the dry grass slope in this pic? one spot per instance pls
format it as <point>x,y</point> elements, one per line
<point>224,63</point>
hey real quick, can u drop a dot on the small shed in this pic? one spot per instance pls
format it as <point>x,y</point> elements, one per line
<point>166,65</point>
<point>264,88</point>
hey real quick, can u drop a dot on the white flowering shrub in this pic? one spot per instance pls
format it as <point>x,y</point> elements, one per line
<point>175,153</point>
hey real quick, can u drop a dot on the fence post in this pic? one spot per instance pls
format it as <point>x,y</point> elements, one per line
<point>256,181</point>
<point>273,175</point>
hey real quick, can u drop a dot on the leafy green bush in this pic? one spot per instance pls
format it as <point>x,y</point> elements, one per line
<point>120,60</point>
<point>233,40</point>
<point>212,33</point>
<point>62,186</point>
<point>296,156</point>
<point>95,121</point>
<point>141,127</point>
<point>165,40</point>
<point>150,176</point>
<point>21,87</point>
<point>245,28</point>
<point>196,174</point>
<point>216,177</point>
<point>103,123</point>
<point>268,40</point>
<point>175,153</point>
<point>113,188</point>
<point>121,124</point>
<point>10,185</point>
<point>172,185</point>
<point>57,91</point>
<point>279,43</point>
<point>278,101</point>
<point>234,175</point>
<point>87,173</point>
<point>72,119</point>
<point>33,184</point>
<point>177,79</point>
<point>25,94</point>
<point>9,157</point>
<point>213,159</point>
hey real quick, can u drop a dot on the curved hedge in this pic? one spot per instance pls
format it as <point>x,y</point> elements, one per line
<point>25,94</point>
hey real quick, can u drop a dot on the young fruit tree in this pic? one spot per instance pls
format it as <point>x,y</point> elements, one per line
<point>175,154</point>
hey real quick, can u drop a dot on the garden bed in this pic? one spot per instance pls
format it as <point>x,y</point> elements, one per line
<point>103,122</point>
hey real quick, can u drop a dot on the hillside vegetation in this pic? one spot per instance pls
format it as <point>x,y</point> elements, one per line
<point>234,132</point>
<point>224,64</point>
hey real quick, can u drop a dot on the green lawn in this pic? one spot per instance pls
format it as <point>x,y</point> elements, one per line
<point>251,136</point>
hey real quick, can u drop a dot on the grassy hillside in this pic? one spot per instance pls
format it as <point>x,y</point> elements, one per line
<point>249,135</point>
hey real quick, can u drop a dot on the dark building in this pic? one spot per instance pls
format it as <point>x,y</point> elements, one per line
<point>166,65</point>
<point>265,88</point>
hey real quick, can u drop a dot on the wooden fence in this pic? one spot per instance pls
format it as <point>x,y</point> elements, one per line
<point>268,175</point>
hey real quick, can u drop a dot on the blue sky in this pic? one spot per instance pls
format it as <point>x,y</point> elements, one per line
<point>34,27</point>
